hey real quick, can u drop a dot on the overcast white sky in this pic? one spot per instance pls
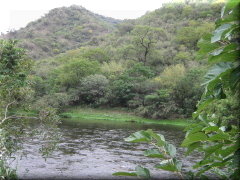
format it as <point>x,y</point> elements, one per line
<point>17,13</point>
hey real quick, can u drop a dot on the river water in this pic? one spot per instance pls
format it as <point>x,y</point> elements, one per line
<point>94,150</point>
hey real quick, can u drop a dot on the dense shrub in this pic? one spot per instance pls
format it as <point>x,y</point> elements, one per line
<point>71,73</point>
<point>93,88</point>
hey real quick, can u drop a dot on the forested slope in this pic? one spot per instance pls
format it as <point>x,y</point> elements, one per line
<point>148,65</point>
<point>62,29</point>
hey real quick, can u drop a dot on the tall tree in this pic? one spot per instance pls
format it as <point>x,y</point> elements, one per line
<point>144,39</point>
<point>14,68</point>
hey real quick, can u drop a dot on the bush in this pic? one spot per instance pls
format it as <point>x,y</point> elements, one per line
<point>171,75</point>
<point>55,100</point>
<point>96,54</point>
<point>187,91</point>
<point>93,89</point>
<point>70,74</point>
<point>127,85</point>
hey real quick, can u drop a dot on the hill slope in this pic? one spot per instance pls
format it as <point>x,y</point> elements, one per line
<point>62,29</point>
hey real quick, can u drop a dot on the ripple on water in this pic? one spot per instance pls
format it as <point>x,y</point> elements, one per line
<point>92,151</point>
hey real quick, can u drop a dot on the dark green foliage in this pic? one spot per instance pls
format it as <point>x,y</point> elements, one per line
<point>158,105</point>
<point>126,86</point>
<point>14,69</point>
<point>215,131</point>
<point>92,90</point>
<point>187,91</point>
<point>6,172</point>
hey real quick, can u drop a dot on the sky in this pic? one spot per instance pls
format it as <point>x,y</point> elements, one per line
<point>15,14</point>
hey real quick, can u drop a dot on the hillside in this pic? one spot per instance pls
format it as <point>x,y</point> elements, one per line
<point>62,29</point>
<point>148,65</point>
<point>180,27</point>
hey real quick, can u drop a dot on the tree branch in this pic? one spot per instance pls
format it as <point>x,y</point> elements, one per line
<point>18,117</point>
<point>6,109</point>
<point>13,117</point>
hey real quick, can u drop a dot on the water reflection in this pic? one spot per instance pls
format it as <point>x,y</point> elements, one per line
<point>92,150</point>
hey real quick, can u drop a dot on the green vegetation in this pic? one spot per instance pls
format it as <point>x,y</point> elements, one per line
<point>134,66</point>
<point>62,29</point>
<point>78,113</point>
<point>216,137</point>
<point>151,67</point>
<point>16,92</point>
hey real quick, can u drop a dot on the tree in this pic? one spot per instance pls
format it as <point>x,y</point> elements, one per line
<point>96,54</point>
<point>14,68</point>
<point>168,77</point>
<point>15,93</point>
<point>124,87</point>
<point>70,74</point>
<point>190,35</point>
<point>144,38</point>
<point>93,88</point>
<point>14,90</point>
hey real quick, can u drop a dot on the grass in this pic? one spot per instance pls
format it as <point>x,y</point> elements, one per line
<point>115,115</point>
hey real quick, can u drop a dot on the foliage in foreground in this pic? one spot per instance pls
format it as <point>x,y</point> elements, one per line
<point>215,137</point>
<point>15,92</point>
<point>6,172</point>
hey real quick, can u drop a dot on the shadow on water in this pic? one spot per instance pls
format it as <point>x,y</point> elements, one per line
<point>94,150</point>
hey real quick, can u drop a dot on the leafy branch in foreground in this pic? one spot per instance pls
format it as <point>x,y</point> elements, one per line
<point>162,150</point>
<point>16,93</point>
<point>217,138</point>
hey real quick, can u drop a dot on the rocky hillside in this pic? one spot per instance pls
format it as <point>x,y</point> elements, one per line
<point>62,29</point>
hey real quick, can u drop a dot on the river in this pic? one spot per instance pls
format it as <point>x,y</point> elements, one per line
<point>94,150</point>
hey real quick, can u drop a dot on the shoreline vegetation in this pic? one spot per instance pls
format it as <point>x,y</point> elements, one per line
<point>116,114</point>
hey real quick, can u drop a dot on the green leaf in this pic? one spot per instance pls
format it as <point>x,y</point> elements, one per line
<point>195,129</point>
<point>226,151</point>
<point>158,137</point>
<point>192,147</point>
<point>170,149</point>
<point>218,164</point>
<point>234,81</point>
<point>231,4</point>
<point>142,172</point>
<point>140,136</point>
<point>216,52</point>
<point>210,129</point>
<point>170,165</point>
<point>233,16</point>
<point>178,164</point>
<point>124,174</point>
<point>202,170</point>
<point>227,48</point>
<point>205,46</point>
<point>154,153</point>
<point>219,137</point>
<point>225,57</point>
<point>192,138</point>
<point>222,11</point>
<point>216,70</point>
<point>211,149</point>
<point>236,157</point>
<point>219,31</point>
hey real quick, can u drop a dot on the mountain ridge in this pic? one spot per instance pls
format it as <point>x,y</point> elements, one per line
<point>62,29</point>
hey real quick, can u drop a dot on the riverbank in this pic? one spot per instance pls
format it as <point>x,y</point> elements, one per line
<point>75,113</point>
